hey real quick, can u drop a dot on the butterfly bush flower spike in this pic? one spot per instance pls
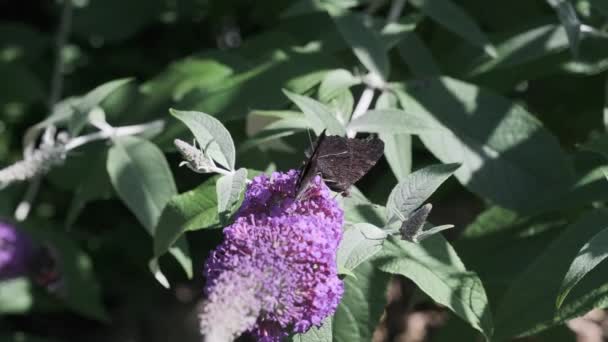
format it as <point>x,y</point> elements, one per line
<point>275,272</point>
<point>15,251</point>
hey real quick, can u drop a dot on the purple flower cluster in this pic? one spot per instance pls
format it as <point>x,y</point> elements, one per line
<point>15,252</point>
<point>275,271</point>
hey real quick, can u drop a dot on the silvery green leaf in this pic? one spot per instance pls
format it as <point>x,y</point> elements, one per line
<point>210,132</point>
<point>88,102</point>
<point>229,189</point>
<point>335,82</point>
<point>359,243</point>
<point>397,147</point>
<point>365,42</point>
<point>393,121</point>
<point>319,115</point>
<point>416,188</point>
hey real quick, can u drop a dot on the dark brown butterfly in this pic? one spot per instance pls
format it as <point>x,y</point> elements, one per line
<point>340,161</point>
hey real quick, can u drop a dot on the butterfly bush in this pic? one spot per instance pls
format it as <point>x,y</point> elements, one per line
<point>15,251</point>
<point>275,272</point>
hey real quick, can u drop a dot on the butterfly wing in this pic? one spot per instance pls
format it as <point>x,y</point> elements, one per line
<point>342,162</point>
<point>309,170</point>
<point>413,226</point>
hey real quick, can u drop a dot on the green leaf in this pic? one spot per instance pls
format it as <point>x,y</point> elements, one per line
<point>435,267</point>
<point>359,243</point>
<point>335,82</point>
<point>84,105</point>
<point>229,189</point>
<point>191,210</point>
<point>597,144</point>
<point>455,19</point>
<point>15,296</point>
<point>507,155</point>
<point>523,47</point>
<point>141,176</point>
<point>362,305</point>
<point>417,56</point>
<point>416,188</point>
<point>600,5</point>
<point>591,255</point>
<point>210,134</point>
<point>314,334</point>
<point>318,114</point>
<point>94,184</point>
<point>397,147</point>
<point>142,179</point>
<point>541,282</point>
<point>364,41</point>
<point>393,121</point>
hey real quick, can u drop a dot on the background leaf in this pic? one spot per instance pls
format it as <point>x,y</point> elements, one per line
<point>452,17</point>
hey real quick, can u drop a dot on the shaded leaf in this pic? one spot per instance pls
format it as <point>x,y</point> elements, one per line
<point>591,255</point>
<point>191,210</point>
<point>364,41</point>
<point>507,155</point>
<point>455,19</point>
<point>435,267</point>
<point>540,284</point>
<point>362,304</point>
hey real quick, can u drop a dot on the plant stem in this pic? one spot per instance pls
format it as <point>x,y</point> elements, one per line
<point>24,207</point>
<point>395,11</point>
<point>113,133</point>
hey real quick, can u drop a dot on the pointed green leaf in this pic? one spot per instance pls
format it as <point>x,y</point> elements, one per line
<point>359,243</point>
<point>229,189</point>
<point>591,255</point>
<point>416,188</point>
<point>392,121</point>
<point>210,134</point>
<point>318,114</point>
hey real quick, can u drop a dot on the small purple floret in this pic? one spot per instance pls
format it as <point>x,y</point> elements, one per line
<point>15,251</point>
<point>281,250</point>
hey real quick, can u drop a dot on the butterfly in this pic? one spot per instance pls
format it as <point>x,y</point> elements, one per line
<point>340,161</point>
<point>412,228</point>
